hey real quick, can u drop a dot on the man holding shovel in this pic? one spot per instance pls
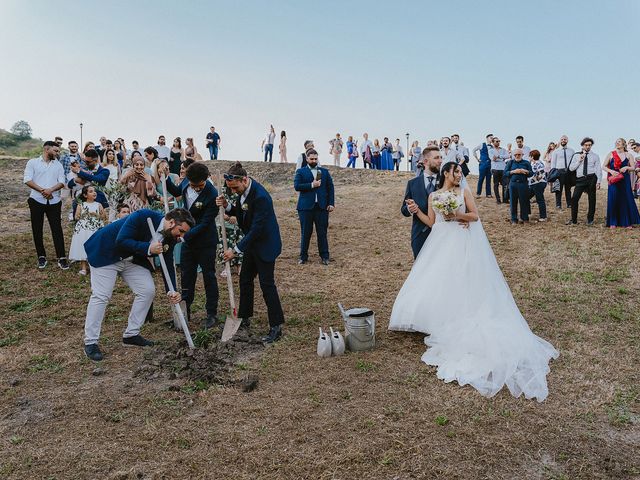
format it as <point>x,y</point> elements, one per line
<point>260,247</point>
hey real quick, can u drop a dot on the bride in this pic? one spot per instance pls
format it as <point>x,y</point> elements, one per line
<point>457,294</point>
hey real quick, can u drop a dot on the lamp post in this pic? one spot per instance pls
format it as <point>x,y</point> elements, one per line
<point>408,157</point>
<point>81,144</point>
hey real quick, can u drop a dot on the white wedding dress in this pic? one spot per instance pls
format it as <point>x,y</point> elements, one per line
<point>457,294</point>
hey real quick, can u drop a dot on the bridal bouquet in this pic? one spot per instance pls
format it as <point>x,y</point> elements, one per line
<point>445,203</point>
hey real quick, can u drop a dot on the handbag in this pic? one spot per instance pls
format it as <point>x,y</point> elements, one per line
<point>618,177</point>
<point>554,174</point>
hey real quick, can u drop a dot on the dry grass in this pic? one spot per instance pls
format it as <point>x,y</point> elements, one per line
<point>380,414</point>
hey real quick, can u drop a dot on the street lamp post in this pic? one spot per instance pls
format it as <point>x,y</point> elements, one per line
<point>81,144</point>
<point>408,157</point>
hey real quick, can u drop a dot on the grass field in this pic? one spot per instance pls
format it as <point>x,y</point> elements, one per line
<point>380,414</point>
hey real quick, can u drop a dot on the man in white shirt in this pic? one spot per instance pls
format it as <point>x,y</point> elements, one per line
<point>267,144</point>
<point>462,150</point>
<point>588,170</point>
<point>450,154</point>
<point>162,149</point>
<point>45,177</point>
<point>560,160</point>
<point>519,144</point>
<point>499,157</point>
<point>366,143</point>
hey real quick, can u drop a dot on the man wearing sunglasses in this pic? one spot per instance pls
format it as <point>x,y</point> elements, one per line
<point>260,247</point>
<point>200,243</point>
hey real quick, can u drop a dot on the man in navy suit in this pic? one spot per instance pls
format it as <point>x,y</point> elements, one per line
<point>315,202</point>
<point>94,173</point>
<point>260,246</point>
<point>417,195</point>
<point>201,242</point>
<point>125,247</point>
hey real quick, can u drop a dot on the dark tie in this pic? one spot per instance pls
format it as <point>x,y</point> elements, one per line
<point>584,167</point>
<point>564,150</point>
<point>430,186</point>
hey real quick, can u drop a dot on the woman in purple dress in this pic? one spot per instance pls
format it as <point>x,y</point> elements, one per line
<point>621,206</point>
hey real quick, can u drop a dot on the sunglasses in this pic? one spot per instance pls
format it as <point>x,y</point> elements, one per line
<point>228,176</point>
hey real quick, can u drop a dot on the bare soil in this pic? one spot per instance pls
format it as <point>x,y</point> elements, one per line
<point>243,411</point>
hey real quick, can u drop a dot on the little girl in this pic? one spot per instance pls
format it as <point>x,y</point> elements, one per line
<point>89,216</point>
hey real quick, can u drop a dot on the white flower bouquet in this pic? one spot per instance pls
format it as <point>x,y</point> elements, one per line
<point>445,203</point>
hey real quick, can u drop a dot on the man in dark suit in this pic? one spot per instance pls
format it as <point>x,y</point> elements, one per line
<point>417,195</point>
<point>125,247</point>
<point>315,202</point>
<point>200,243</point>
<point>260,246</point>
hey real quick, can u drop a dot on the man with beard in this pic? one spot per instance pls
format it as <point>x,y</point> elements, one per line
<point>560,160</point>
<point>124,248</point>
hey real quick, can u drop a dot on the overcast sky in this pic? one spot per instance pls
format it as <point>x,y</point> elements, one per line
<point>137,69</point>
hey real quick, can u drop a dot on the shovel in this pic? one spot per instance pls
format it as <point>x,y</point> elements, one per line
<point>232,323</point>
<point>176,308</point>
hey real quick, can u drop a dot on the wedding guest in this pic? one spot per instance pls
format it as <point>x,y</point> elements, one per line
<point>102,147</point>
<point>200,243</point>
<point>139,185</point>
<point>162,150</point>
<point>376,154</point>
<point>282,148</point>
<point>45,177</point>
<point>150,161</point>
<point>636,153</point>
<point>92,173</point>
<point>163,167</point>
<point>462,151</point>
<point>499,157</point>
<point>519,144</point>
<point>73,155</point>
<point>336,149</point>
<point>260,247</point>
<point>110,163</point>
<point>538,183</point>
<point>450,154</point>
<point>633,149</point>
<point>121,153</point>
<point>123,211</point>
<point>397,155</point>
<point>365,150</point>
<point>190,150</point>
<point>315,202</point>
<point>518,172</point>
<point>386,158</point>
<point>415,153</point>
<point>89,216</point>
<point>213,143</point>
<point>59,141</point>
<point>417,194</point>
<point>87,146</point>
<point>547,156</point>
<point>352,152</point>
<point>485,165</point>
<point>302,158</point>
<point>267,144</point>
<point>135,148</point>
<point>560,159</point>
<point>123,248</point>
<point>622,210</point>
<point>176,155</point>
<point>588,170</point>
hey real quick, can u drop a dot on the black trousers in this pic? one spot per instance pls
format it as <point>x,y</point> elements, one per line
<point>253,266</point>
<point>38,211</point>
<point>309,218</point>
<point>190,259</point>
<point>565,184</point>
<point>498,180</point>
<point>588,185</point>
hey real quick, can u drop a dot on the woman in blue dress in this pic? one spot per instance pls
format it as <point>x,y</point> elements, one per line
<point>387,151</point>
<point>621,206</point>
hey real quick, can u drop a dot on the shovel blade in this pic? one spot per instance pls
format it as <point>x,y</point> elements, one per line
<point>176,319</point>
<point>231,326</point>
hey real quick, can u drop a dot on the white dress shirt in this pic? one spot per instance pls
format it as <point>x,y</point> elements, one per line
<point>500,162</point>
<point>525,152</point>
<point>190,197</point>
<point>163,151</point>
<point>451,155</point>
<point>46,175</point>
<point>558,156</point>
<point>593,165</point>
<point>365,144</point>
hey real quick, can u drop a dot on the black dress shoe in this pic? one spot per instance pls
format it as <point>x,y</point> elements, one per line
<point>245,323</point>
<point>274,334</point>
<point>210,322</point>
<point>136,341</point>
<point>93,352</point>
<point>589,222</point>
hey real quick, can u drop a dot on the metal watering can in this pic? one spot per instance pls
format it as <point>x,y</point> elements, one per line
<point>360,328</point>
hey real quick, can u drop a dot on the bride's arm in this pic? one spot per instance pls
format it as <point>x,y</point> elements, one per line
<point>472,212</point>
<point>430,217</point>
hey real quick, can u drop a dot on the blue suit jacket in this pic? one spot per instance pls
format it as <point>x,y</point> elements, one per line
<point>99,177</point>
<point>259,223</point>
<point>307,196</point>
<point>204,211</point>
<point>416,191</point>
<point>129,236</point>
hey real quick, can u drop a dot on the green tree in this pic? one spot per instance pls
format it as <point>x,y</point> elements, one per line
<point>21,129</point>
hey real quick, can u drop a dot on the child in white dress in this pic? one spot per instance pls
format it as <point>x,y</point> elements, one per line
<point>89,216</point>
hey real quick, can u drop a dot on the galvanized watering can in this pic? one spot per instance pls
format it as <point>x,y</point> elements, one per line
<point>360,328</point>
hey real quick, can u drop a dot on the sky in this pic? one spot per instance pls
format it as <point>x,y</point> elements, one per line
<point>137,69</point>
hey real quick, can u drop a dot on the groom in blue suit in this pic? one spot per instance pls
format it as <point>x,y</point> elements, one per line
<point>260,246</point>
<point>417,195</point>
<point>315,202</point>
<point>125,248</point>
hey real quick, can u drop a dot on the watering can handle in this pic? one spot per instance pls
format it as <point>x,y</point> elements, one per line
<point>341,309</point>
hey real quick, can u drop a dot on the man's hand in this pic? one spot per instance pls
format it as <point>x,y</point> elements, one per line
<point>221,201</point>
<point>229,254</point>
<point>156,248</point>
<point>316,183</point>
<point>174,297</point>
<point>330,208</point>
<point>47,193</point>
<point>412,206</point>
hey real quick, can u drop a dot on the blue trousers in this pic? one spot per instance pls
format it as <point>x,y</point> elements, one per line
<point>519,194</point>
<point>213,151</point>
<point>268,150</point>
<point>537,190</point>
<point>309,218</point>
<point>485,176</point>
<point>418,241</point>
<point>352,162</point>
